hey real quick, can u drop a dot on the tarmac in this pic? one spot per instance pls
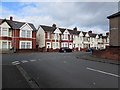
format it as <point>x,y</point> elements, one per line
<point>12,78</point>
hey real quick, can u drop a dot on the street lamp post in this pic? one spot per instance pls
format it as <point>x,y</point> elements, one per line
<point>15,38</point>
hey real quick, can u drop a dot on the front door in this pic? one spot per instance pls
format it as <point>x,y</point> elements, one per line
<point>70,46</point>
<point>48,45</point>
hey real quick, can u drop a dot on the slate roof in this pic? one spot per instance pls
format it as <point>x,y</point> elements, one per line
<point>47,28</point>
<point>16,24</point>
<point>104,36</point>
<point>92,35</point>
<point>51,29</point>
<point>62,29</point>
<point>114,15</point>
<point>84,33</point>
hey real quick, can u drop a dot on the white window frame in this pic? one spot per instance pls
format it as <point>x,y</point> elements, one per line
<point>26,44</point>
<point>65,37</point>
<point>7,32</point>
<point>7,41</point>
<point>53,45</point>
<point>26,33</point>
<point>48,35</point>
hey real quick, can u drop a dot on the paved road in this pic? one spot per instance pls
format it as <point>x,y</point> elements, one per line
<point>64,70</point>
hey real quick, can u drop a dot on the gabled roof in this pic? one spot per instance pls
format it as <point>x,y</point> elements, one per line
<point>47,28</point>
<point>104,36</point>
<point>92,35</point>
<point>72,32</point>
<point>114,15</point>
<point>62,29</point>
<point>16,24</point>
<point>84,33</point>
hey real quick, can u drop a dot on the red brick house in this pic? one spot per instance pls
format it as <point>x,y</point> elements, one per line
<point>17,35</point>
<point>66,38</point>
<point>52,38</point>
<point>48,37</point>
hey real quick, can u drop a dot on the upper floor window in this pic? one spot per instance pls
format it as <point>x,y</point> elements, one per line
<point>4,31</point>
<point>56,36</point>
<point>81,38</point>
<point>48,35</point>
<point>26,34</point>
<point>86,39</point>
<point>71,38</point>
<point>65,36</point>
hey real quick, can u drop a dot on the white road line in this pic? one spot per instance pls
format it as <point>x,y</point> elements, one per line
<point>103,72</point>
<point>15,62</point>
<point>24,61</point>
<point>32,60</point>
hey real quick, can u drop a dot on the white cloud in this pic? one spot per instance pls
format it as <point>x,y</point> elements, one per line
<point>86,16</point>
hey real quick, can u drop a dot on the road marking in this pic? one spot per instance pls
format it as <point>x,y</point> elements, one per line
<point>15,62</point>
<point>24,61</point>
<point>103,72</point>
<point>32,60</point>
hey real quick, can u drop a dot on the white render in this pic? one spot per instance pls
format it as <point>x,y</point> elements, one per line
<point>40,37</point>
<point>26,27</point>
<point>5,25</point>
<point>57,31</point>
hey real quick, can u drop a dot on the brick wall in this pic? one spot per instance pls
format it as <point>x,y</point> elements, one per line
<point>109,53</point>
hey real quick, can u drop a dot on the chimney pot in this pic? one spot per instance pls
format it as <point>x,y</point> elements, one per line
<point>75,29</point>
<point>107,33</point>
<point>11,18</point>
<point>90,31</point>
<point>54,26</point>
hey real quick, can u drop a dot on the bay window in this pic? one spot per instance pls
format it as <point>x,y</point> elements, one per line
<point>26,34</point>
<point>65,36</point>
<point>25,44</point>
<point>22,44</point>
<point>4,45</point>
<point>23,33</point>
<point>5,31</point>
<point>48,35</point>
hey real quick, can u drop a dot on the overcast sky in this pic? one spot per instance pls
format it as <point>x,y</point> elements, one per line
<point>84,15</point>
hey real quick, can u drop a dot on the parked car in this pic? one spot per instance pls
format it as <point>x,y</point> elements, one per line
<point>89,49</point>
<point>65,49</point>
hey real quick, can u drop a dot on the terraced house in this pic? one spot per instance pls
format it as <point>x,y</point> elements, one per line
<point>17,35</point>
<point>52,37</point>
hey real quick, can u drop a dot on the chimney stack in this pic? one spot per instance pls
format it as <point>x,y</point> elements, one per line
<point>107,33</point>
<point>54,26</point>
<point>90,31</point>
<point>11,18</point>
<point>75,29</point>
<point>101,34</point>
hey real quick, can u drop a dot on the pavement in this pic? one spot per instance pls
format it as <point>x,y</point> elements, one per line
<point>58,70</point>
<point>11,76</point>
<point>89,56</point>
